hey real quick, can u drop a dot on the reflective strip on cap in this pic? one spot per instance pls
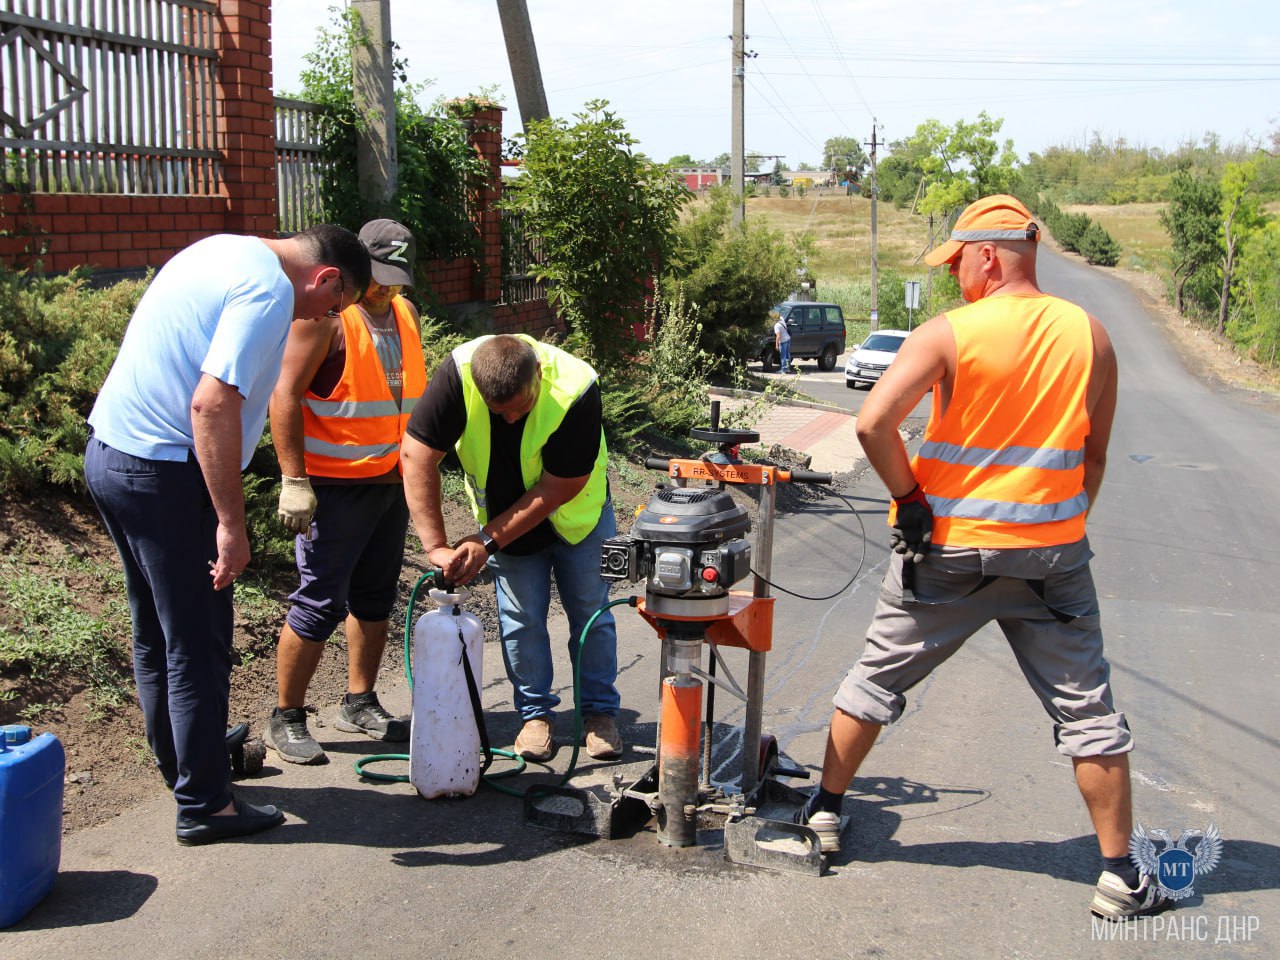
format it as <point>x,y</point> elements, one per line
<point>969,235</point>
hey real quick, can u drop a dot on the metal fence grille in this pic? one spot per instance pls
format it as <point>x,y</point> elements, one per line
<point>109,96</point>
<point>521,255</point>
<point>299,166</point>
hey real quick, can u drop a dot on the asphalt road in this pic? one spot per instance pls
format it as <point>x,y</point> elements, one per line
<point>968,838</point>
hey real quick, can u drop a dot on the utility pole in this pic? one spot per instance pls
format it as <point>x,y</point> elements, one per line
<point>875,261</point>
<point>373,89</point>
<point>928,296</point>
<point>522,56</point>
<point>737,161</point>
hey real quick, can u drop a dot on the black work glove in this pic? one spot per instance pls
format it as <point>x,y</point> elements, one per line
<point>914,528</point>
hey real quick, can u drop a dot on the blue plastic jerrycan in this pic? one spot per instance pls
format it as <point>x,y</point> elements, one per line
<point>32,770</point>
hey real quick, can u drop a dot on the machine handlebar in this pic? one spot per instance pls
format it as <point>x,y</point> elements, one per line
<point>783,476</point>
<point>808,476</point>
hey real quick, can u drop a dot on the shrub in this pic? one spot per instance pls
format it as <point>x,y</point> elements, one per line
<point>1068,228</point>
<point>731,274</point>
<point>58,339</point>
<point>663,390</point>
<point>606,215</point>
<point>1098,247</point>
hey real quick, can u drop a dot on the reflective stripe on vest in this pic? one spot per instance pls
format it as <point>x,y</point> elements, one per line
<point>1003,465</point>
<point>565,378</point>
<point>355,432</point>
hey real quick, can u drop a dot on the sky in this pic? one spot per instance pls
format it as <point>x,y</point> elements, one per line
<point>1156,73</point>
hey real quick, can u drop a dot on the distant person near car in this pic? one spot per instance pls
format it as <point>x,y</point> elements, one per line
<point>338,414</point>
<point>782,343</point>
<point>989,525</point>
<point>174,425</point>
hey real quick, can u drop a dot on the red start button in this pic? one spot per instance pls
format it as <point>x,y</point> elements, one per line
<point>710,574</point>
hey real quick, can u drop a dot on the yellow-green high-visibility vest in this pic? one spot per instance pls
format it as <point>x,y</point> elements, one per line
<point>565,378</point>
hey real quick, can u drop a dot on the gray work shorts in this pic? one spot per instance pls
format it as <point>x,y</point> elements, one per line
<point>1062,661</point>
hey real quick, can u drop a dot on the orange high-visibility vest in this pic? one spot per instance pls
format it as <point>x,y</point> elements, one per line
<point>1004,465</point>
<point>356,430</point>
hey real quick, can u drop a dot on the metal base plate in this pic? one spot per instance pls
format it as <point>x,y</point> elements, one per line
<point>592,811</point>
<point>773,845</point>
<point>770,838</point>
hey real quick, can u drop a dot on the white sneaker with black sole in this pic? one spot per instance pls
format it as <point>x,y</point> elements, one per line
<point>1114,900</point>
<point>826,825</point>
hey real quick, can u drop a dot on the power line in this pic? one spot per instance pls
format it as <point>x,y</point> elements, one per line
<point>784,116</point>
<point>799,60</point>
<point>835,47</point>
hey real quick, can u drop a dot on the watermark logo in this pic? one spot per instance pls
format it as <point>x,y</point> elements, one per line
<point>1175,863</point>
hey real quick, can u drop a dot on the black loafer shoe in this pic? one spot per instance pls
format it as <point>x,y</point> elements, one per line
<point>247,819</point>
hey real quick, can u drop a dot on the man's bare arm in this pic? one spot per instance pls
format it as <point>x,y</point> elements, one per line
<point>925,359</point>
<point>305,350</point>
<point>421,465</point>
<point>215,424</point>
<point>1101,401</point>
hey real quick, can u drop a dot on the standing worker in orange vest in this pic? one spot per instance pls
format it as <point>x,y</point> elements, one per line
<point>989,525</point>
<point>338,415</point>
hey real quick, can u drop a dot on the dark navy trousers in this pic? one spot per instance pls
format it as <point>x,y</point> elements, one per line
<point>162,520</point>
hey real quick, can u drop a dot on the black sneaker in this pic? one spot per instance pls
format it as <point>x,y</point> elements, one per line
<point>247,820</point>
<point>1114,900</point>
<point>366,715</point>
<point>287,735</point>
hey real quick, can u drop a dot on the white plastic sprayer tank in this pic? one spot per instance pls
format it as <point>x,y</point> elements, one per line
<point>444,753</point>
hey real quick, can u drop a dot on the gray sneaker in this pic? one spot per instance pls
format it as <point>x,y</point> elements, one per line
<point>1113,900</point>
<point>287,735</point>
<point>366,715</point>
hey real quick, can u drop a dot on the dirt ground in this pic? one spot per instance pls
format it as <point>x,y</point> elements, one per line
<point>108,763</point>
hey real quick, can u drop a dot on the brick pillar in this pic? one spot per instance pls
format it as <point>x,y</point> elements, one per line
<point>246,115</point>
<point>486,136</point>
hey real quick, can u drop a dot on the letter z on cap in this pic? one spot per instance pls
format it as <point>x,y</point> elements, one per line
<point>391,252</point>
<point>998,217</point>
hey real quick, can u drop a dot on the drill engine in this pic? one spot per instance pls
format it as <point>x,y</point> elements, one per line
<point>687,545</point>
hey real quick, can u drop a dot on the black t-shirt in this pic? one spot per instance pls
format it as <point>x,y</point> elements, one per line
<point>440,416</point>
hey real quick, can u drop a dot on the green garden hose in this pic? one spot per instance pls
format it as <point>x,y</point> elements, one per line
<point>491,778</point>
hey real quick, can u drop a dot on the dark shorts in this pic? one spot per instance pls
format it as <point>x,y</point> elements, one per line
<point>352,562</point>
<point>1062,661</point>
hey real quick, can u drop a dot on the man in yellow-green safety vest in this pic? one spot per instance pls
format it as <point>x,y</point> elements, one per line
<point>524,418</point>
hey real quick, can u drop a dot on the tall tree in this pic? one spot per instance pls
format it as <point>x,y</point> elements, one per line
<point>963,162</point>
<point>606,216</point>
<point>1257,324</point>
<point>1242,214</point>
<point>1191,220</point>
<point>845,154</point>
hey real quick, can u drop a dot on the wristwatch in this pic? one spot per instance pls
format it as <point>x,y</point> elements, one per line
<point>490,545</point>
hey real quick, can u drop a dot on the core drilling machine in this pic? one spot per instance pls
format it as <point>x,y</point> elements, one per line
<point>688,546</point>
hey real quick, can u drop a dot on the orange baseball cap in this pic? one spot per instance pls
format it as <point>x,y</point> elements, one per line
<point>998,217</point>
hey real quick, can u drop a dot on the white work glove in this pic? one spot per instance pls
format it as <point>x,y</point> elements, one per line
<point>297,503</point>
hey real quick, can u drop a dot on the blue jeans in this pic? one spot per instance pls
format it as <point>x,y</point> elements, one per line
<point>784,355</point>
<point>524,598</point>
<point>159,514</point>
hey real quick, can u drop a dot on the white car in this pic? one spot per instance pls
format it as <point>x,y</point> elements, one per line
<point>869,361</point>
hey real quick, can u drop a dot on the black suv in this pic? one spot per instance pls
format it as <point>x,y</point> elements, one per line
<point>817,331</point>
